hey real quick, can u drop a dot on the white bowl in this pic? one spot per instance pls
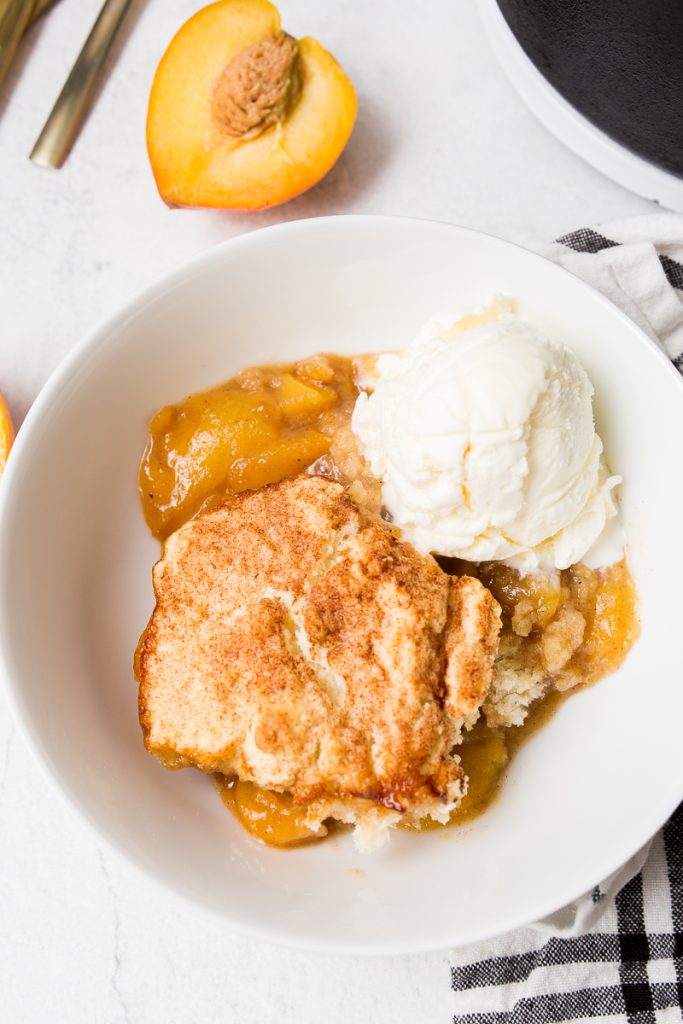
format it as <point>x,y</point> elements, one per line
<point>75,592</point>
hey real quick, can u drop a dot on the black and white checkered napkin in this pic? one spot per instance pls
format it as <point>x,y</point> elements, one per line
<point>616,955</point>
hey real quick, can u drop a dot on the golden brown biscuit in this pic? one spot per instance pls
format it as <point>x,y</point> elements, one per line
<point>298,644</point>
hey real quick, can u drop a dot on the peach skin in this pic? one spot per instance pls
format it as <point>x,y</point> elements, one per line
<point>6,432</point>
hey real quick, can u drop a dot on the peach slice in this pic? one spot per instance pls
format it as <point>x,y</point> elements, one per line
<point>241,115</point>
<point>6,432</point>
<point>299,399</point>
<point>288,456</point>
<point>271,817</point>
<point>191,447</point>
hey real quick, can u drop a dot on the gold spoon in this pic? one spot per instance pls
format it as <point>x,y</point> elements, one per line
<point>70,110</point>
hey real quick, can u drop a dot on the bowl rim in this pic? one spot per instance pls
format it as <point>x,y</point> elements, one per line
<point>74,360</point>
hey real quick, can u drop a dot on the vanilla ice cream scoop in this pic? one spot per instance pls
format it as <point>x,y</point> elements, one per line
<point>486,447</point>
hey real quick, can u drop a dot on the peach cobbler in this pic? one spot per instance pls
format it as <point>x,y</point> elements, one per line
<point>379,575</point>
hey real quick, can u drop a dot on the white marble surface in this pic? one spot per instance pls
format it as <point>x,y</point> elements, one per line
<point>440,135</point>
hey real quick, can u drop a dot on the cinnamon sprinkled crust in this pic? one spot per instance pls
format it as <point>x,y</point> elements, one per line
<point>298,644</point>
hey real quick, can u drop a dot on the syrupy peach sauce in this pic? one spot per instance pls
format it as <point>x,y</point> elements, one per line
<point>263,425</point>
<point>271,817</point>
<point>567,628</point>
<point>573,626</point>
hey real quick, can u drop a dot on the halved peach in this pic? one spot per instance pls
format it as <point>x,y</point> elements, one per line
<point>241,115</point>
<point>6,432</point>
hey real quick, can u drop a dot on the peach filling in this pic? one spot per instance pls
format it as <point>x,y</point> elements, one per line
<point>258,428</point>
<point>577,625</point>
<point>271,817</point>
